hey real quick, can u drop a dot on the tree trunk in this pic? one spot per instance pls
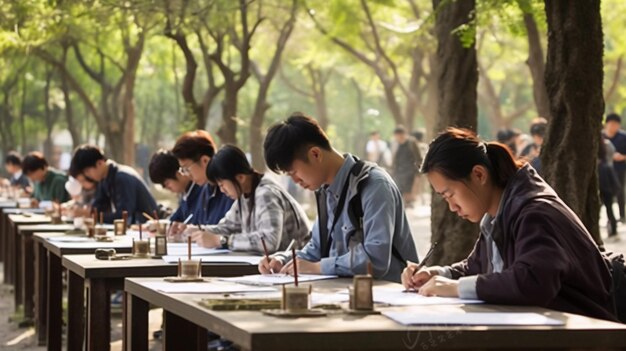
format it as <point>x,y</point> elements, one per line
<point>261,106</point>
<point>537,67</point>
<point>574,74</point>
<point>431,113</point>
<point>23,115</point>
<point>8,141</point>
<point>72,125</point>
<point>228,130</point>
<point>457,78</point>
<point>360,140</point>
<point>47,144</point>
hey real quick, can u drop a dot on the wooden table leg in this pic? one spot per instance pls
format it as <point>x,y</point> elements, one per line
<point>135,323</point>
<point>41,301</point>
<point>28,277</point>
<point>6,248</point>
<point>98,315</point>
<point>55,307</point>
<point>17,267</point>
<point>3,243</point>
<point>75,312</point>
<point>12,255</point>
<point>180,334</point>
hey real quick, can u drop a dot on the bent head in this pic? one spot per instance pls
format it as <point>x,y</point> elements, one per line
<point>298,147</point>
<point>230,169</point>
<point>467,172</point>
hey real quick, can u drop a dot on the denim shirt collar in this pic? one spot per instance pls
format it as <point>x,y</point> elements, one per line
<point>340,179</point>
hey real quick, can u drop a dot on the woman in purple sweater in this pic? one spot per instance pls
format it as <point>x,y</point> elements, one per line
<point>532,249</point>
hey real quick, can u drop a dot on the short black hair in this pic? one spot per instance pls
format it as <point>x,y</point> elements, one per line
<point>539,127</point>
<point>13,158</point>
<point>613,117</point>
<point>400,130</point>
<point>163,166</point>
<point>85,156</point>
<point>33,161</point>
<point>193,145</point>
<point>291,139</point>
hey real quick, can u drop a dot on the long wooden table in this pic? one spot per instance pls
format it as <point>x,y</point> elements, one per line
<point>24,292</point>
<point>99,278</point>
<point>9,240</point>
<point>49,282</point>
<point>13,264</point>
<point>4,204</point>
<point>186,323</point>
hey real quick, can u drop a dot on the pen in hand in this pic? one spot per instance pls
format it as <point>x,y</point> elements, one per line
<point>267,256</point>
<point>423,261</point>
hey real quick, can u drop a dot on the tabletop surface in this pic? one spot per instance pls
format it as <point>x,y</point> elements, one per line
<point>253,330</point>
<point>87,266</point>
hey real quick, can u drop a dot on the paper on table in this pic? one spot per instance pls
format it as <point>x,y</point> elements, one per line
<point>70,239</point>
<point>275,279</point>
<point>253,260</point>
<point>471,318</point>
<point>409,298</point>
<point>204,288</point>
<point>180,249</point>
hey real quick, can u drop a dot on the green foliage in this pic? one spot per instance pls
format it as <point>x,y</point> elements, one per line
<point>101,27</point>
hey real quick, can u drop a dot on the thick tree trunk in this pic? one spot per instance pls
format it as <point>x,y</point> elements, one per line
<point>537,67</point>
<point>458,78</point>
<point>574,74</point>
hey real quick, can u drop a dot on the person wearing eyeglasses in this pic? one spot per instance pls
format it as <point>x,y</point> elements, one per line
<point>119,189</point>
<point>194,150</point>
<point>165,170</point>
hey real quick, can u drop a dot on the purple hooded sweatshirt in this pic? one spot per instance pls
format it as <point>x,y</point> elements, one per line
<point>549,258</point>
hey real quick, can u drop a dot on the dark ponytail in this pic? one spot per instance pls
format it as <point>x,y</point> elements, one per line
<point>455,152</point>
<point>503,165</point>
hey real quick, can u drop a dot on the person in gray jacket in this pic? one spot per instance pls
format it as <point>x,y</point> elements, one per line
<point>361,218</point>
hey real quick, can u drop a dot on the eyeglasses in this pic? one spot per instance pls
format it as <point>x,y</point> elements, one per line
<point>184,170</point>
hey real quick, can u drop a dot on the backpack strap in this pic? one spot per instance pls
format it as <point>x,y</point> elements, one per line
<point>355,213</point>
<point>322,212</point>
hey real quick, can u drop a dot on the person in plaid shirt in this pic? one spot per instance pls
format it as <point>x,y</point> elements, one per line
<point>262,209</point>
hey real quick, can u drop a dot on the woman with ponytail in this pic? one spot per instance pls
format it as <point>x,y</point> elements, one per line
<point>262,209</point>
<point>532,249</point>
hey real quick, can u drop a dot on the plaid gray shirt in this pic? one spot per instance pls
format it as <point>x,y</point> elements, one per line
<point>276,217</point>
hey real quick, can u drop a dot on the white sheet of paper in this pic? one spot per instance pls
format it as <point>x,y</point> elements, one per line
<point>410,298</point>
<point>275,279</point>
<point>204,287</point>
<point>70,239</point>
<point>471,318</point>
<point>253,260</point>
<point>180,249</point>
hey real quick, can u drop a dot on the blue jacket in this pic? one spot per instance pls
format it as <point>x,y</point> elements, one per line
<point>385,227</point>
<point>188,204</point>
<point>123,190</point>
<point>212,206</point>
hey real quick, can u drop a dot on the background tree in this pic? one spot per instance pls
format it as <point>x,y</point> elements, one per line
<point>261,105</point>
<point>574,83</point>
<point>457,73</point>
